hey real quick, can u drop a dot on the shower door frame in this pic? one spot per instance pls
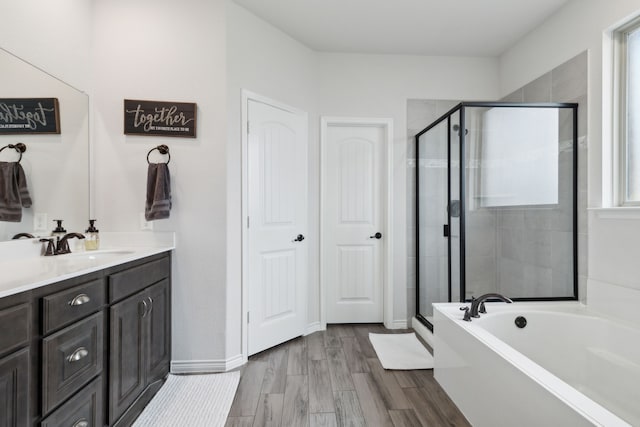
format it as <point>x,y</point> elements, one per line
<point>461,135</point>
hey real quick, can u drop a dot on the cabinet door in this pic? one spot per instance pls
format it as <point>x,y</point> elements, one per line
<point>128,365</point>
<point>14,389</point>
<point>159,319</point>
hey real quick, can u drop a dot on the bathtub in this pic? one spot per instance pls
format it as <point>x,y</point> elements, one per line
<point>566,367</point>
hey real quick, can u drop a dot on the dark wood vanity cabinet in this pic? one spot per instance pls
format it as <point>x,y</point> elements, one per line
<point>14,389</point>
<point>89,351</point>
<point>140,338</point>
<point>140,327</point>
<point>15,361</point>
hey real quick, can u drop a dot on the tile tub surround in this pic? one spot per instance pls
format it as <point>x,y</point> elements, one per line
<point>24,268</point>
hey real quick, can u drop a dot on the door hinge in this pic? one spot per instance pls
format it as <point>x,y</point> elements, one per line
<point>248,127</point>
<point>247,222</point>
<point>247,317</point>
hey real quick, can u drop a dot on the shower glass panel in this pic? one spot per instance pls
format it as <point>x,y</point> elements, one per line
<point>432,197</point>
<point>506,221</point>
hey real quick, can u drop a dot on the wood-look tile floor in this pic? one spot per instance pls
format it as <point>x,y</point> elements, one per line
<point>334,378</point>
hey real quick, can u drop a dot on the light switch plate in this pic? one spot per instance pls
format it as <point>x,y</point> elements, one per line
<point>40,222</point>
<point>144,224</point>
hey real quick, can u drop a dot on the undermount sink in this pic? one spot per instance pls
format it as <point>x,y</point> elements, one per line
<point>99,254</point>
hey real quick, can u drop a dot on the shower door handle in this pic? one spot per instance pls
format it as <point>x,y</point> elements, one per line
<point>445,230</point>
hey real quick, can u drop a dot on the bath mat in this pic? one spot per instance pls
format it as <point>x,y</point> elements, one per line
<point>401,351</point>
<point>191,400</point>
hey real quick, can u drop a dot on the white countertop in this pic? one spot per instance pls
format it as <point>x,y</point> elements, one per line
<point>23,268</point>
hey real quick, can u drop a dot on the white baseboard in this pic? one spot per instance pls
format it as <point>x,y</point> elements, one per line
<point>206,366</point>
<point>424,332</point>
<point>314,327</point>
<point>397,324</point>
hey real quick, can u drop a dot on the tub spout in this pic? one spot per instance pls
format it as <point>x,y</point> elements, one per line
<point>477,305</point>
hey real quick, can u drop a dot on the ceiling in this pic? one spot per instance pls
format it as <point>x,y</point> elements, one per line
<point>413,27</point>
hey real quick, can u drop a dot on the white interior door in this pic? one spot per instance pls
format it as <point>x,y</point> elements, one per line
<point>354,222</point>
<point>277,224</point>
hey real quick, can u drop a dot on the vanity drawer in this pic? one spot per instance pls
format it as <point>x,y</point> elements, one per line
<point>130,281</point>
<point>15,327</point>
<point>70,359</point>
<point>82,410</point>
<point>65,307</point>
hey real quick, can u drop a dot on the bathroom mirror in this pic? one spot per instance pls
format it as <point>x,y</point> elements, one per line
<point>56,166</point>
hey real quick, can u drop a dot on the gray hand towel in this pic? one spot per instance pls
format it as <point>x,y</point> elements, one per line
<point>14,194</point>
<point>158,203</point>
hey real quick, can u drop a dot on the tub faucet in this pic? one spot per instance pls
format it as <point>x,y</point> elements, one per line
<point>477,305</point>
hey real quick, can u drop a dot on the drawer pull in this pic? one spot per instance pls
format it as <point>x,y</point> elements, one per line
<point>82,422</point>
<point>79,300</point>
<point>80,353</point>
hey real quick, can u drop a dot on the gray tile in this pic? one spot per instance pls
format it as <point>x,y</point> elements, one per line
<point>373,407</point>
<point>537,281</point>
<point>339,371</point>
<point>275,376</point>
<point>327,419</point>
<point>539,90</point>
<point>248,393</point>
<point>515,96</point>
<point>269,412</point>
<point>388,386</point>
<point>297,360</point>
<point>239,422</point>
<point>348,411</point>
<point>356,361</point>
<point>315,346</point>
<point>569,80</point>
<point>404,418</point>
<point>295,410</point>
<point>536,248</point>
<point>562,251</point>
<point>320,392</point>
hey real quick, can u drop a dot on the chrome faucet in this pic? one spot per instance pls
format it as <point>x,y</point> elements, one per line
<point>477,305</point>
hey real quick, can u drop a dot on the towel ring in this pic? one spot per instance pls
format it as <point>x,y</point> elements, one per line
<point>163,149</point>
<point>19,147</point>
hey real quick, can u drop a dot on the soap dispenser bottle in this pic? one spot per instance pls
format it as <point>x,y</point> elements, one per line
<point>91,237</point>
<point>59,231</point>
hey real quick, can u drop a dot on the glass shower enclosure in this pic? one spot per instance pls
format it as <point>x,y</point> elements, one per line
<point>496,204</point>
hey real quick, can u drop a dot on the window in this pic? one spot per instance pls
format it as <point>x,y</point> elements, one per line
<point>628,74</point>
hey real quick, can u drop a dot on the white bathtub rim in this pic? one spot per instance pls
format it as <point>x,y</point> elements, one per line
<point>596,413</point>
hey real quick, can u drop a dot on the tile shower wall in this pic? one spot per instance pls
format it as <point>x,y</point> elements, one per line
<point>534,245</point>
<point>514,249</point>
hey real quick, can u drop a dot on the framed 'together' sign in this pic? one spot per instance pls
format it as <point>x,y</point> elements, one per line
<point>159,118</point>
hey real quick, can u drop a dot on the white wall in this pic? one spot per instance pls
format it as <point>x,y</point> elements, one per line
<point>173,51</point>
<point>265,61</point>
<point>581,25</point>
<point>379,86</point>
<point>52,35</point>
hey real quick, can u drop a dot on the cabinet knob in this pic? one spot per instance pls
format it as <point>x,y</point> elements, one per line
<point>79,300</point>
<point>82,422</point>
<point>79,354</point>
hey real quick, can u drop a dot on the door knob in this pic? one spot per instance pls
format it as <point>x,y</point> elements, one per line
<point>378,235</point>
<point>299,238</point>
